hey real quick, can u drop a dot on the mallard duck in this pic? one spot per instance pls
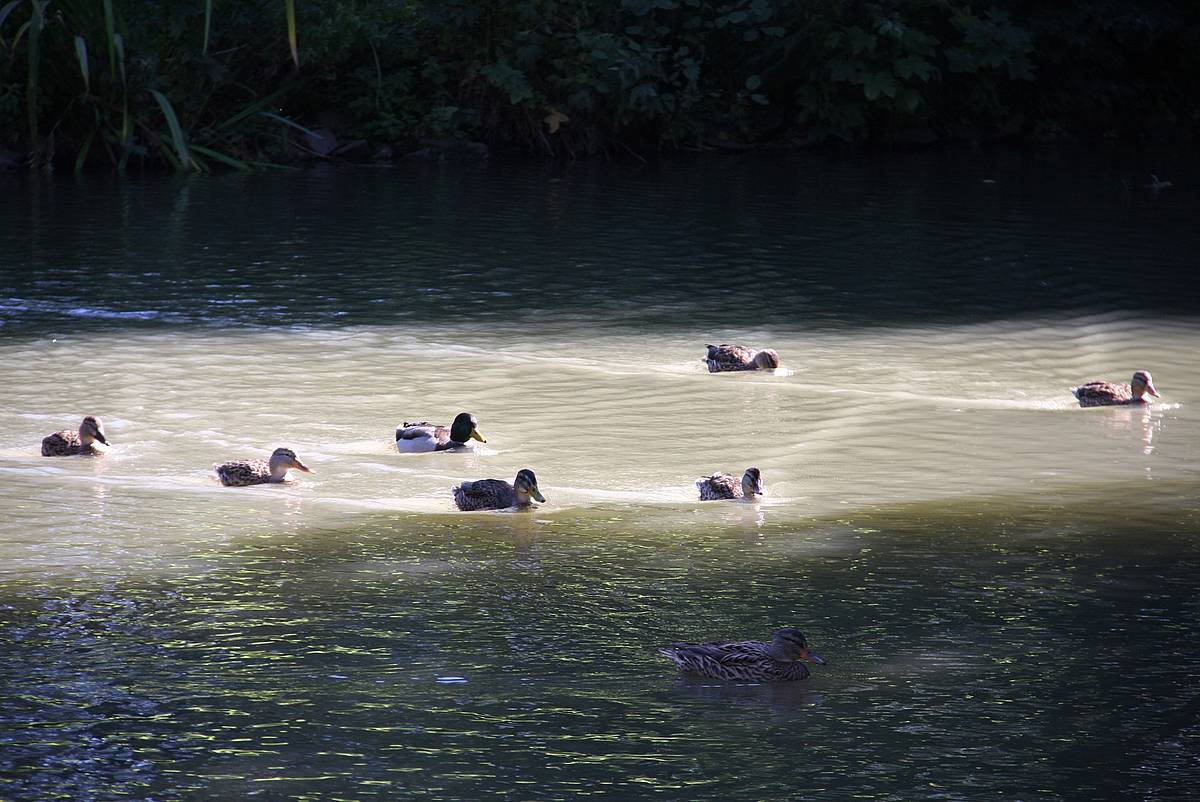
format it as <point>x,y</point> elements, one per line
<point>747,661</point>
<point>1102,393</point>
<point>68,443</point>
<point>242,472</point>
<point>725,486</point>
<point>496,494</point>
<point>424,436</point>
<point>726,357</point>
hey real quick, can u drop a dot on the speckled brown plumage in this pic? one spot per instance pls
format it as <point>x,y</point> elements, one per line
<point>496,494</point>
<point>1100,394</point>
<point>719,486</point>
<point>727,357</point>
<point>65,444</point>
<point>746,661</point>
<point>244,472</point>
<point>1105,393</point>
<point>724,486</point>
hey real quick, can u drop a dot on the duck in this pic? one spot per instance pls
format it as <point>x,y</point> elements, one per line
<point>67,443</point>
<point>243,472</point>
<point>496,494</point>
<point>721,486</point>
<point>747,661</point>
<point>1103,394</point>
<point>423,436</point>
<point>725,357</point>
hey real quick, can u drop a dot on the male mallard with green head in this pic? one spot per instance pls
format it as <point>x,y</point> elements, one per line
<point>726,357</point>
<point>243,472</point>
<point>496,494</point>
<point>422,436</point>
<point>68,443</point>
<point>1103,394</point>
<point>721,486</point>
<point>747,661</point>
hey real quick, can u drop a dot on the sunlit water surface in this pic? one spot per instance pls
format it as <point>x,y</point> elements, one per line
<point>1003,584</point>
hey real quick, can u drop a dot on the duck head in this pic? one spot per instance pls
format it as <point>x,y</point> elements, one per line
<point>526,486</point>
<point>766,359</point>
<point>465,428</point>
<point>752,483</point>
<point>283,460</point>
<point>789,645</point>
<point>1142,384</point>
<point>92,430</point>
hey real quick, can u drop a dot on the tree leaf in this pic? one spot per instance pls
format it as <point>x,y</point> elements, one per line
<point>181,146</point>
<point>82,54</point>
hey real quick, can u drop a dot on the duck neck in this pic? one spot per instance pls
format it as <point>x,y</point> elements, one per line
<point>278,471</point>
<point>781,653</point>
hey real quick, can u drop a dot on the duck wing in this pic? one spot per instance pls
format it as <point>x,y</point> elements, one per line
<point>61,444</point>
<point>485,494</point>
<point>729,357</point>
<point>747,661</point>
<point>719,486</point>
<point>242,472</point>
<point>1102,393</point>
<point>423,429</point>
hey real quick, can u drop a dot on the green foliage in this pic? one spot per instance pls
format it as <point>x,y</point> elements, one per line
<point>196,84</point>
<point>88,98</point>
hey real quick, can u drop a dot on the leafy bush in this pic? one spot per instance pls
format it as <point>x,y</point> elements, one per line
<point>194,84</point>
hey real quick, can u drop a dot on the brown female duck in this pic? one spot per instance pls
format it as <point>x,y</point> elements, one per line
<point>68,443</point>
<point>243,472</point>
<point>496,494</point>
<point>747,661</point>
<point>722,486</point>
<point>726,357</point>
<point>1102,393</point>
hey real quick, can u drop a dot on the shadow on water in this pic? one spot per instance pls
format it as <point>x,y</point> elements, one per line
<point>993,648</point>
<point>779,241</point>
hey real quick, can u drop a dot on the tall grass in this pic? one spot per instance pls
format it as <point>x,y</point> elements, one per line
<point>173,100</point>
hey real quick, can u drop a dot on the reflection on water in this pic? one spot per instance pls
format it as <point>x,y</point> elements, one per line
<point>1004,584</point>
<point>982,646</point>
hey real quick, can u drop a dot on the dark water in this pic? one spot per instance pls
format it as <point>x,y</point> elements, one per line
<point>785,242</point>
<point>988,652</point>
<point>1004,586</point>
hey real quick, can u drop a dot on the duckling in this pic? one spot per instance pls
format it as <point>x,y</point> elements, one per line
<point>424,436</point>
<point>723,486</point>
<point>1102,393</point>
<point>727,357</point>
<point>68,443</point>
<point>747,661</point>
<point>496,494</point>
<point>242,472</point>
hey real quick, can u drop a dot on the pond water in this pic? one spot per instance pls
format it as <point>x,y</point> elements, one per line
<point>1004,585</point>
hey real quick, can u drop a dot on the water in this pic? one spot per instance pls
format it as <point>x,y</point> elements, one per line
<point>1003,584</point>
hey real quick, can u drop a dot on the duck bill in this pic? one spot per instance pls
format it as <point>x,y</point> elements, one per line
<point>812,657</point>
<point>760,490</point>
<point>100,435</point>
<point>1150,389</point>
<point>300,466</point>
<point>537,494</point>
<point>475,435</point>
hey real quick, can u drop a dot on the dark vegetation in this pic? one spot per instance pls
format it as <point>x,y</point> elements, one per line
<point>199,84</point>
